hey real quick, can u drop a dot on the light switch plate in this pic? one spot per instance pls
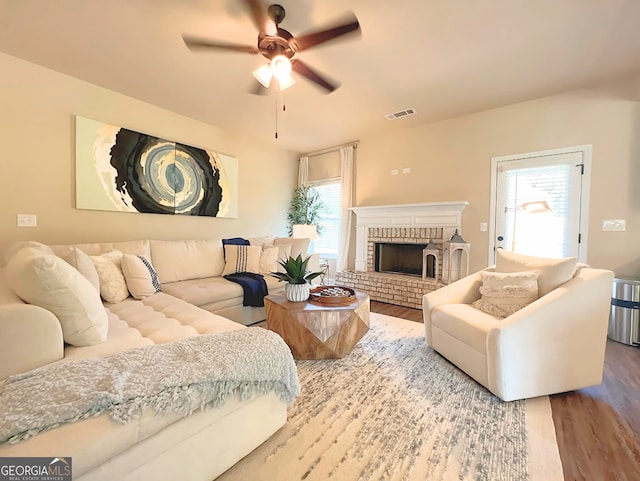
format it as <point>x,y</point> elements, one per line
<point>406,170</point>
<point>27,220</point>
<point>394,172</point>
<point>613,225</point>
<point>483,227</point>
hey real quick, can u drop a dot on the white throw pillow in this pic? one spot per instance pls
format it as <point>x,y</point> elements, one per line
<point>269,259</point>
<point>241,258</point>
<point>551,272</point>
<point>83,264</point>
<point>16,246</point>
<point>505,293</point>
<point>113,287</point>
<point>141,277</point>
<point>284,252</point>
<point>47,281</point>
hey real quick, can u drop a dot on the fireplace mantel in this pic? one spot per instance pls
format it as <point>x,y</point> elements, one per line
<point>447,215</point>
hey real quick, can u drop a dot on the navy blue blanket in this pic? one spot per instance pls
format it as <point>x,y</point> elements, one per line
<point>254,285</point>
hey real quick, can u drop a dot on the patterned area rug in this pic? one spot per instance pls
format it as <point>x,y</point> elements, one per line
<point>393,409</point>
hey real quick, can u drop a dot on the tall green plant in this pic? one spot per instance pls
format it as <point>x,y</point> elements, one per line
<point>306,208</point>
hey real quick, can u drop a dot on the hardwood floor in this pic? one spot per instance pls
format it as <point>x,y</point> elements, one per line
<point>598,428</point>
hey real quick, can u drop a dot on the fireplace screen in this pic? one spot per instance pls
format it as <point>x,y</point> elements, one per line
<point>399,258</point>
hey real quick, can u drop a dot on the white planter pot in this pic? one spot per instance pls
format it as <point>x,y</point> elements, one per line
<point>297,292</point>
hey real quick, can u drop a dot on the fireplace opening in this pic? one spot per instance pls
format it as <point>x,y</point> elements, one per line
<point>399,258</point>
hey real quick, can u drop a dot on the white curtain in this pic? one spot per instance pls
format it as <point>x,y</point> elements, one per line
<point>303,171</point>
<point>346,201</point>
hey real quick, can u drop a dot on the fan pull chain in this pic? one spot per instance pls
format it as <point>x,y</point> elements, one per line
<point>276,116</point>
<point>284,109</point>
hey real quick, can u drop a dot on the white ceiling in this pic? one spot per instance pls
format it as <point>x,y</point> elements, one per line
<point>443,58</point>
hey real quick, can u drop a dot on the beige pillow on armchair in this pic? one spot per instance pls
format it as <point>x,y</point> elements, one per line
<point>506,293</point>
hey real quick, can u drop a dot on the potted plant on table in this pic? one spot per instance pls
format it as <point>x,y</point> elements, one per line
<point>297,278</point>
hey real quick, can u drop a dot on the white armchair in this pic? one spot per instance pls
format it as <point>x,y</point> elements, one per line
<point>555,344</point>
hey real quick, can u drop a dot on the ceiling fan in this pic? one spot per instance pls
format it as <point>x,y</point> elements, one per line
<point>279,46</point>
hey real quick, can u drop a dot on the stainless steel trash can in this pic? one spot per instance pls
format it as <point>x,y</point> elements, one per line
<point>624,319</point>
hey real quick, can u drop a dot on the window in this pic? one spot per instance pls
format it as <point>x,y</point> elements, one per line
<point>329,192</point>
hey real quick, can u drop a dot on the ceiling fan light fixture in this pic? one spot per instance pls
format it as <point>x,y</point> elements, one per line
<point>263,75</point>
<point>284,84</point>
<point>281,67</point>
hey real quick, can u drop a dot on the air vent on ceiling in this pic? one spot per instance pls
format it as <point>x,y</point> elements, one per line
<point>402,113</point>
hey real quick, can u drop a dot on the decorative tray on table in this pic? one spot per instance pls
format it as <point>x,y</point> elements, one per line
<point>332,295</point>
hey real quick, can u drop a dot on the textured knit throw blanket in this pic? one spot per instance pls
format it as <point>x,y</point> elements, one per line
<point>178,377</point>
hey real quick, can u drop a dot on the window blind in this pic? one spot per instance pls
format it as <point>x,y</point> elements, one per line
<point>537,207</point>
<point>327,242</point>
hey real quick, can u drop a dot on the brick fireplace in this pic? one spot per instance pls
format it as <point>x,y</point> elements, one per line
<point>415,224</point>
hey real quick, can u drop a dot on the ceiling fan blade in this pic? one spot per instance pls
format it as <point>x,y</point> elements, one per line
<point>306,71</point>
<point>348,24</point>
<point>195,43</point>
<point>257,12</point>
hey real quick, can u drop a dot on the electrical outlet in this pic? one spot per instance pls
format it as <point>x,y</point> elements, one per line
<point>27,220</point>
<point>394,172</point>
<point>406,170</point>
<point>613,225</point>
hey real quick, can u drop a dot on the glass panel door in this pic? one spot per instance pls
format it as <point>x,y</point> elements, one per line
<point>538,205</point>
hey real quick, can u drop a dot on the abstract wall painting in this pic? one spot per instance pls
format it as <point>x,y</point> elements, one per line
<point>121,170</point>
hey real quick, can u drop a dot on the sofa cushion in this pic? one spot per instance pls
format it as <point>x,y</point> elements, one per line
<point>284,251</point>
<point>465,323</point>
<point>164,318</point>
<point>299,247</point>
<point>83,264</point>
<point>48,281</point>
<point>261,241</point>
<point>137,247</point>
<point>187,259</point>
<point>141,277</point>
<point>113,287</point>
<point>155,319</point>
<point>241,258</point>
<point>505,293</point>
<point>201,292</point>
<point>551,272</point>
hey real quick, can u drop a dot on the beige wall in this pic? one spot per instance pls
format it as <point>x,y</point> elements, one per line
<point>37,108</point>
<point>451,160</point>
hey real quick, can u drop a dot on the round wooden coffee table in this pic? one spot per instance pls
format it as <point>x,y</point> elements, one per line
<point>314,331</point>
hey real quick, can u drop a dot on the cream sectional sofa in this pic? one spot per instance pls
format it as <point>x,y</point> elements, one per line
<point>191,270</point>
<point>194,300</point>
